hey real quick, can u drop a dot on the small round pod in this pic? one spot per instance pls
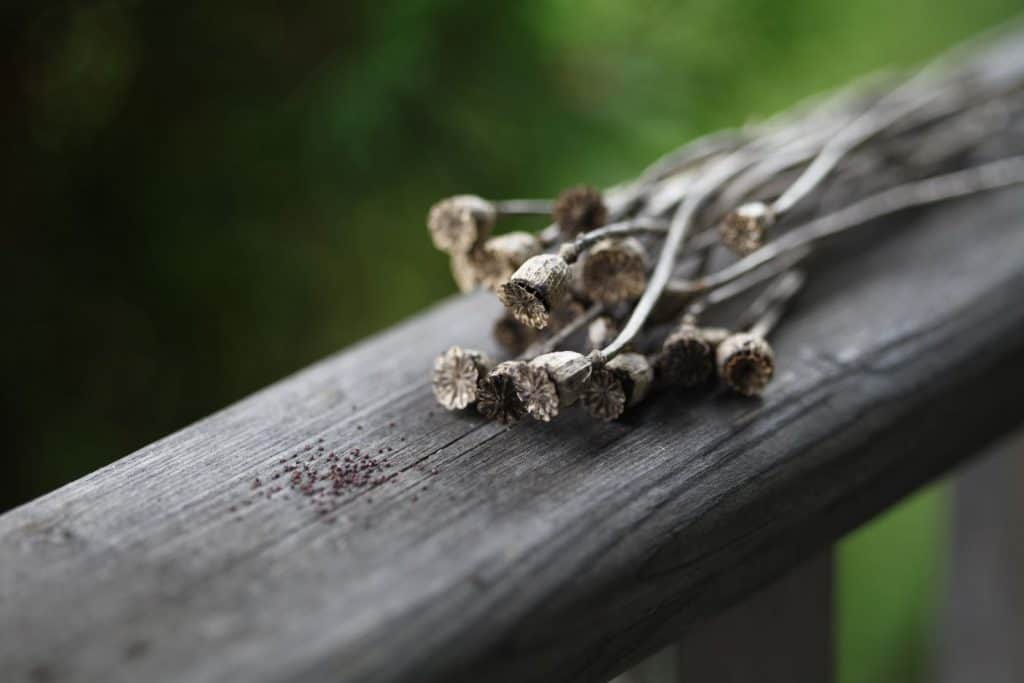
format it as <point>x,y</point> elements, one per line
<point>746,363</point>
<point>614,270</point>
<point>496,397</point>
<point>623,382</point>
<point>492,263</point>
<point>687,359</point>
<point>743,229</point>
<point>499,257</point>
<point>601,332</point>
<point>465,271</point>
<point>556,381</point>
<point>535,287</point>
<point>457,372</point>
<point>512,335</point>
<point>579,209</point>
<point>459,223</point>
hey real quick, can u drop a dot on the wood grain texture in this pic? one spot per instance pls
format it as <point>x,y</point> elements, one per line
<point>562,552</point>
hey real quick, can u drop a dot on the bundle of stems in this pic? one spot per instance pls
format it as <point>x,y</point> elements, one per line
<point>732,215</point>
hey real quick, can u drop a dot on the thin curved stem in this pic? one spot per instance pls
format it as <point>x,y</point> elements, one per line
<point>990,176</point>
<point>675,238</point>
<point>524,207</point>
<point>555,340</point>
<point>766,311</point>
<point>748,281</point>
<point>633,226</point>
<point>889,109</point>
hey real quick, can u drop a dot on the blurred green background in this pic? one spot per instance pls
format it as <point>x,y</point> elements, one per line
<point>203,197</point>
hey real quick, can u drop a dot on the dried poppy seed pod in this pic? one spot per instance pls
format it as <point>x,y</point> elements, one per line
<point>579,209</point>
<point>496,397</point>
<point>686,359</point>
<point>512,335</point>
<point>742,230</point>
<point>623,382</point>
<point>457,373</point>
<point>601,332</point>
<point>636,374</point>
<point>499,257</point>
<point>559,379</point>
<point>465,271</point>
<point>492,263</point>
<point>614,270</point>
<point>746,363</point>
<point>459,223</point>
<point>537,286</point>
<point>537,393</point>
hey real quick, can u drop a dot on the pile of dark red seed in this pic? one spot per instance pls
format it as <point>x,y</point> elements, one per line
<point>325,478</point>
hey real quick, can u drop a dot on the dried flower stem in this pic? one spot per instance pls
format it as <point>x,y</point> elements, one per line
<point>555,340</point>
<point>765,312</point>
<point>903,102</point>
<point>990,176</point>
<point>739,286</point>
<point>571,251</point>
<point>523,207</point>
<point>677,232</point>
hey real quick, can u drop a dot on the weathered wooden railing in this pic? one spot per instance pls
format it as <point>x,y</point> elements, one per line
<point>563,552</point>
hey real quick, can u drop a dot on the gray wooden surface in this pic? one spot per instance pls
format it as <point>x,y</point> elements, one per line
<point>563,552</point>
<point>982,622</point>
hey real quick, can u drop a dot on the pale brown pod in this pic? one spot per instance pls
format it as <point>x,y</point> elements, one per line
<point>604,397</point>
<point>496,393</point>
<point>623,382</point>
<point>614,269</point>
<point>746,363</point>
<point>457,373</point>
<point>512,335</point>
<point>743,229</point>
<point>465,271</point>
<point>559,379</point>
<point>537,286</point>
<point>492,263</point>
<point>459,223</point>
<point>499,257</point>
<point>579,209</point>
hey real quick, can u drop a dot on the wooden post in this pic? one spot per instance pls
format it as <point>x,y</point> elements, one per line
<point>982,626</point>
<point>782,633</point>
